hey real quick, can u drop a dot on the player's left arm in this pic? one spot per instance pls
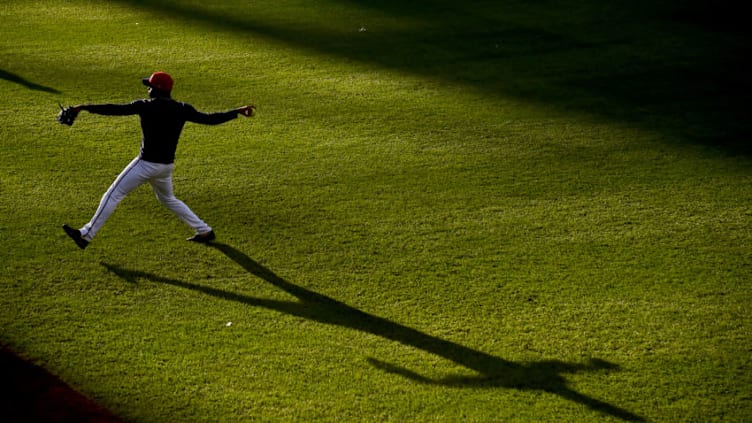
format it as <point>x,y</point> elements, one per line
<point>111,109</point>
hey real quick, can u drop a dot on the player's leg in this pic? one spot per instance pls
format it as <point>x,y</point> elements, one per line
<point>162,186</point>
<point>129,179</point>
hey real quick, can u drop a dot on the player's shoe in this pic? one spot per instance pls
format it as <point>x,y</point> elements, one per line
<point>203,238</point>
<point>75,234</point>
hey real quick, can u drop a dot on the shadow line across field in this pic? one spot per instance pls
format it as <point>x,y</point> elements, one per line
<point>18,79</point>
<point>675,67</point>
<point>492,372</point>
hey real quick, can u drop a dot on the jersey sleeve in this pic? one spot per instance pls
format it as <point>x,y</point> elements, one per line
<point>115,109</point>
<point>193,115</point>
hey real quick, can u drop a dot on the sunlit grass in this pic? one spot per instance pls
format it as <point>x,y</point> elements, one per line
<point>464,226</point>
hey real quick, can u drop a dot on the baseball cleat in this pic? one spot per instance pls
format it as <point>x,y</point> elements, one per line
<point>75,234</point>
<point>203,238</point>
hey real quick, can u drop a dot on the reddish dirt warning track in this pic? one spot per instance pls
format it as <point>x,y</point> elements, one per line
<point>31,394</point>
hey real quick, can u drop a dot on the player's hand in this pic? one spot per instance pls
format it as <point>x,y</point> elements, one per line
<point>247,111</point>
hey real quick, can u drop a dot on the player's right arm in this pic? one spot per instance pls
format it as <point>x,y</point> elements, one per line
<point>193,115</point>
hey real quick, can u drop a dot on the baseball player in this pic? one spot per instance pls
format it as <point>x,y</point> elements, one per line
<point>162,120</point>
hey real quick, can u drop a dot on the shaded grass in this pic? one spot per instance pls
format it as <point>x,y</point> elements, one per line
<point>673,66</point>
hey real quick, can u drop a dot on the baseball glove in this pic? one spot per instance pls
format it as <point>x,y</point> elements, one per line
<point>67,115</point>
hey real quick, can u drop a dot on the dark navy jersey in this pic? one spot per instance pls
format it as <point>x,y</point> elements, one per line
<point>162,121</point>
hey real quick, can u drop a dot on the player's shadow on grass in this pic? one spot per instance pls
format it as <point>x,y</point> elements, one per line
<point>492,372</point>
<point>12,77</point>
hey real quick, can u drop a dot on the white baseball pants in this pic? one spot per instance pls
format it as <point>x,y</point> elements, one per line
<point>137,173</point>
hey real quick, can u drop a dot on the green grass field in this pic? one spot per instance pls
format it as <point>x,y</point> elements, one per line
<point>444,211</point>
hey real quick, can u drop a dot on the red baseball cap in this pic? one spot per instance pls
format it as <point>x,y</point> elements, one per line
<point>159,81</point>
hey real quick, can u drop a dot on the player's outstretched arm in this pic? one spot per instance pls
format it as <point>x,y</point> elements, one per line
<point>110,109</point>
<point>193,115</point>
